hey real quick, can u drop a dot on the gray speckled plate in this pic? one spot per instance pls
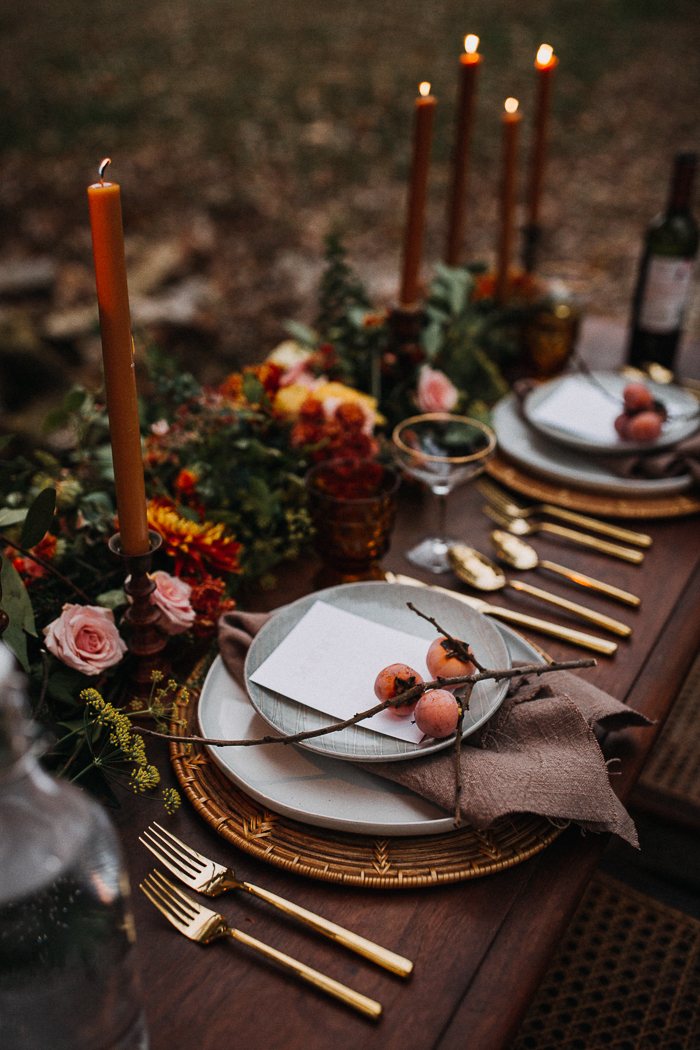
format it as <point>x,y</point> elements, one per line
<point>566,466</point>
<point>683,409</point>
<point>313,788</point>
<point>383,603</point>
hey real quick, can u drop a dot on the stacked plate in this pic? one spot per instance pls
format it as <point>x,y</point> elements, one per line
<point>315,783</point>
<point>563,432</point>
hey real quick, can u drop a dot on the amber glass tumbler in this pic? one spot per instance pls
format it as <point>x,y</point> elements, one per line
<point>353,505</point>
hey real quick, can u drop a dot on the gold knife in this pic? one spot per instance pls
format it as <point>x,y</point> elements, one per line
<point>586,641</point>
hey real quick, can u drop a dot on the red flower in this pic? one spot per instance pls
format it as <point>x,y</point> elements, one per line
<point>45,549</point>
<point>207,600</point>
<point>520,286</point>
<point>343,435</point>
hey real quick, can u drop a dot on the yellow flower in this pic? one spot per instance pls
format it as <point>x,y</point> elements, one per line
<point>289,399</point>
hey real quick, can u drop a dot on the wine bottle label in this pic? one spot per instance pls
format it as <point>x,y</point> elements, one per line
<point>665,292</point>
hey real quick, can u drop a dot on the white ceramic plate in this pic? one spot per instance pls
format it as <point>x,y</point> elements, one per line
<point>578,470</point>
<point>312,788</point>
<point>683,409</point>
<point>383,603</point>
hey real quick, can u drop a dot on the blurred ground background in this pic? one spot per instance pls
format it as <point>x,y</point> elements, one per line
<point>242,132</point>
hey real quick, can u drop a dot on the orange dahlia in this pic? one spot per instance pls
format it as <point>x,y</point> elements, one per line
<point>190,544</point>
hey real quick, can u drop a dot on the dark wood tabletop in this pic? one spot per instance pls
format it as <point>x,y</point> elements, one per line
<point>480,946</point>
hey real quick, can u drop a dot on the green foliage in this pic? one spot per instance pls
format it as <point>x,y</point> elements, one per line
<point>96,745</point>
<point>339,291</point>
<point>302,333</point>
<point>17,605</point>
<point>468,340</point>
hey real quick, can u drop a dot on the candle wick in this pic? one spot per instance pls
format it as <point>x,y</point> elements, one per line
<point>102,168</point>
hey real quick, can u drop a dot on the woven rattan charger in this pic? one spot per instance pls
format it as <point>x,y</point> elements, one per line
<point>338,856</point>
<point>640,507</point>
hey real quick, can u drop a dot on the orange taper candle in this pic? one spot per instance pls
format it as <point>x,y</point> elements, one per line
<point>417,196</point>
<point>545,64</point>
<point>118,357</point>
<point>511,126</point>
<point>469,64</point>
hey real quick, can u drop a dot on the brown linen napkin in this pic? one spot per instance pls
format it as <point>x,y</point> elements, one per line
<point>537,754</point>
<point>681,458</point>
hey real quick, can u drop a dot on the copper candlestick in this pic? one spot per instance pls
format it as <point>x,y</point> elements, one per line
<point>146,641</point>
<point>405,324</point>
<point>532,236</point>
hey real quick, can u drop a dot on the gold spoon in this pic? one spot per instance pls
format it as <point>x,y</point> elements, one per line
<point>554,630</point>
<point>520,555</point>
<point>521,527</point>
<point>479,571</point>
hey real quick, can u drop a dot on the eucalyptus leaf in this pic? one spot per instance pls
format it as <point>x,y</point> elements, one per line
<point>431,338</point>
<point>15,600</point>
<point>111,599</point>
<point>16,640</point>
<point>39,517</point>
<point>55,419</point>
<point>253,389</point>
<point>302,333</point>
<point>66,684</point>
<point>75,399</point>
<point>10,516</point>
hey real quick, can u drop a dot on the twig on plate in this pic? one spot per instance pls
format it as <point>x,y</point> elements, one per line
<point>411,694</point>
<point>461,649</point>
<point>463,707</point>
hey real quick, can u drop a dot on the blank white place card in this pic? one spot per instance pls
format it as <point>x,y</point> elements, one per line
<point>330,660</point>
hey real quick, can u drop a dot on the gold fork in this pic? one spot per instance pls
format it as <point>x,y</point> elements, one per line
<point>203,925</point>
<point>513,509</point>
<point>521,527</point>
<point>212,879</point>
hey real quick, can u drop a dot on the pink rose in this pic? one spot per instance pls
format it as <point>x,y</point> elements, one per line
<point>435,392</point>
<point>172,596</point>
<point>299,374</point>
<point>86,638</point>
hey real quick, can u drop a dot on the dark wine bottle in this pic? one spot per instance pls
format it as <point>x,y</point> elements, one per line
<point>665,273</point>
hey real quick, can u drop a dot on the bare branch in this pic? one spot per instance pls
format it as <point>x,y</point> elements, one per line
<point>404,698</point>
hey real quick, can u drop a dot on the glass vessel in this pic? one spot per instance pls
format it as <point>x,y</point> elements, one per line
<point>67,969</point>
<point>352,503</point>
<point>665,274</point>
<point>442,450</point>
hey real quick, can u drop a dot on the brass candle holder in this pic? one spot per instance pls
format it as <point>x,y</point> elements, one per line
<point>145,641</point>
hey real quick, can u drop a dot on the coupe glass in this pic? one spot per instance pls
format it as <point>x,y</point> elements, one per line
<point>444,451</point>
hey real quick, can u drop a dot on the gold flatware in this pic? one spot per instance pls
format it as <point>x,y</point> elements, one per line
<point>211,879</point>
<point>479,571</point>
<point>520,527</point>
<point>203,925</point>
<point>586,641</point>
<point>520,555</point>
<point>512,508</point>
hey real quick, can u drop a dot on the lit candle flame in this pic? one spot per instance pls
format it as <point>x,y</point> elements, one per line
<point>471,43</point>
<point>544,55</point>
<point>511,105</point>
<point>424,88</point>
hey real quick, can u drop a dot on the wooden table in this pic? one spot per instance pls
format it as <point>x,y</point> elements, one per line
<point>482,946</point>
